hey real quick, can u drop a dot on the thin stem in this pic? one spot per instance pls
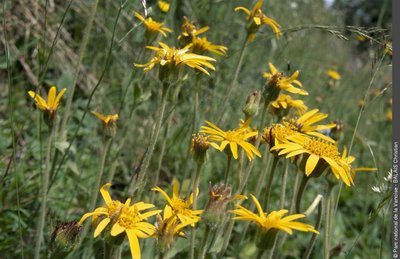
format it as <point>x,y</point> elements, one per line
<point>194,192</point>
<point>295,186</point>
<point>111,252</point>
<point>96,187</point>
<point>328,213</point>
<point>43,206</point>
<point>227,170</point>
<point>313,238</point>
<point>300,192</point>
<point>269,182</point>
<point>204,242</point>
<point>146,160</point>
<point>82,50</point>
<point>227,237</point>
<point>234,79</point>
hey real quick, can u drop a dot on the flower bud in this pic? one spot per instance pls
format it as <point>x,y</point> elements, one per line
<point>252,103</point>
<point>199,148</point>
<point>64,238</point>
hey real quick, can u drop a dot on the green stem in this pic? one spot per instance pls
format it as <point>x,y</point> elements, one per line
<point>82,50</point>
<point>269,182</point>
<point>43,206</point>
<point>204,242</point>
<point>146,160</point>
<point>96,187</point>
<point>228,169</point>
<point>300,192</point>
<point>295,186</point>
<point>313,238</point>
<point>194,192</point>
<point>234,79</point>
<point>328,214</point>
<point>227,237</point>
<point>112,252</point>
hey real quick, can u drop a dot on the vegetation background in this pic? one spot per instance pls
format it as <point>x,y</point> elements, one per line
<point>317,37</point>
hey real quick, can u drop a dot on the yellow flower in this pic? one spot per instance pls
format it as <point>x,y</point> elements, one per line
<point>169,227</point>
<point>164,6</point>
<point>189,29</point>
<point>305,124</point>
<point>180,207</point>
<point>106,119</point>
<point>174,58</point>
<point>321,154</point>
<point>256,18</point>
<point>388,49</point>
<point>123,217</point>
<point>277,80</point>
<point>350,159</point>
<point>233,138</point>
<point>153,26</point>
<point>285,102</point>
<point>201,45</point>
<point>273,220</point>
<point>333,74</point>
<point>52,103</point>
<point>389,116</point>
<point>278,134</point>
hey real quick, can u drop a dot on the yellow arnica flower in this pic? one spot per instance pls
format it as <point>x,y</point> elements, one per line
<point>257,18</point>
<point>180,207</point>
<point>388,50</point>
<point>350,159</point>
<point>305,124</point>
<point>52,103</point>
<point>163,6</point>
<point>233,138</point>
<point>333,74</point>
<point>278,80</point>
<point>320,152</point>
<point>122,217</point>
<point>278,134</point>
<point>389,116</point>
<point>106,119</point>
<point>189,29</point>
<point>171,57</point>
<point>169,227</point>
<point>201,45</point>
<point>153,26</point>
<point>273,220</point>
<point>285,101</point>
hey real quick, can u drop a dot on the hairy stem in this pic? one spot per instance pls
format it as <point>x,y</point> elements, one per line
<point>194,192</point>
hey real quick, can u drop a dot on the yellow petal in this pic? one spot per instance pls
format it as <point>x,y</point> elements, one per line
<point>106,195</point>
<point>117,229</point>
<point>234,149</point>
<point>58,98</point>
<point>51,97</point>
<point>40,102</point>
<point>134,244</point>
<point>312,162</point>
<point>102,225</point>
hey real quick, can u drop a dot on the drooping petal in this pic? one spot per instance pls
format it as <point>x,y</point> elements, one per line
<point>133,244</point>
<point>102,225</point>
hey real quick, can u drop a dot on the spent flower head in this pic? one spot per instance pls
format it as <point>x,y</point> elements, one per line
<point>199,147</point>
<point>64,238</point>
<point>250,109</point>
<point>256,18</point>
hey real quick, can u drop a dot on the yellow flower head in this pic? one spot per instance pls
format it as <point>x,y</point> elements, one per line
<point>172,58</point>
<point>389,116</point>
<point>163,6</point>
<point>276,81</point>
<point>305,124</point>
<point>201,45</point>
<point>153,26</point>
<point>168,228</point>
<point>319,155</point>
<point>388,50</point>
<point>285,102</point>
<point>52,103</point>
<point>273,220</point>
<point>120,217</point>
<point>106,119</point>
<point>278,134</point>
<point>333,74</point>
<point>256,18</point>
<point>233,138</point>
<point>181,208</point>
<point>350,159</point>
<point>189,29</point>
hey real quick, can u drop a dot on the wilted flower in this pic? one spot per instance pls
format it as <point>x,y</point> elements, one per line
<point>64,238</point>
<point>153,26</point>
<point>250,109</point>
<point>219,196</point>
<point>50,107</point>
<point>109,122</point>
<point>199,147</point>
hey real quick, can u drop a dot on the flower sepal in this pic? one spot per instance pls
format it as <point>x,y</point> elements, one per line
<point>266,239</point>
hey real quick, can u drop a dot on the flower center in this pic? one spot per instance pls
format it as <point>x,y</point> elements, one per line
<point>322,148</point>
